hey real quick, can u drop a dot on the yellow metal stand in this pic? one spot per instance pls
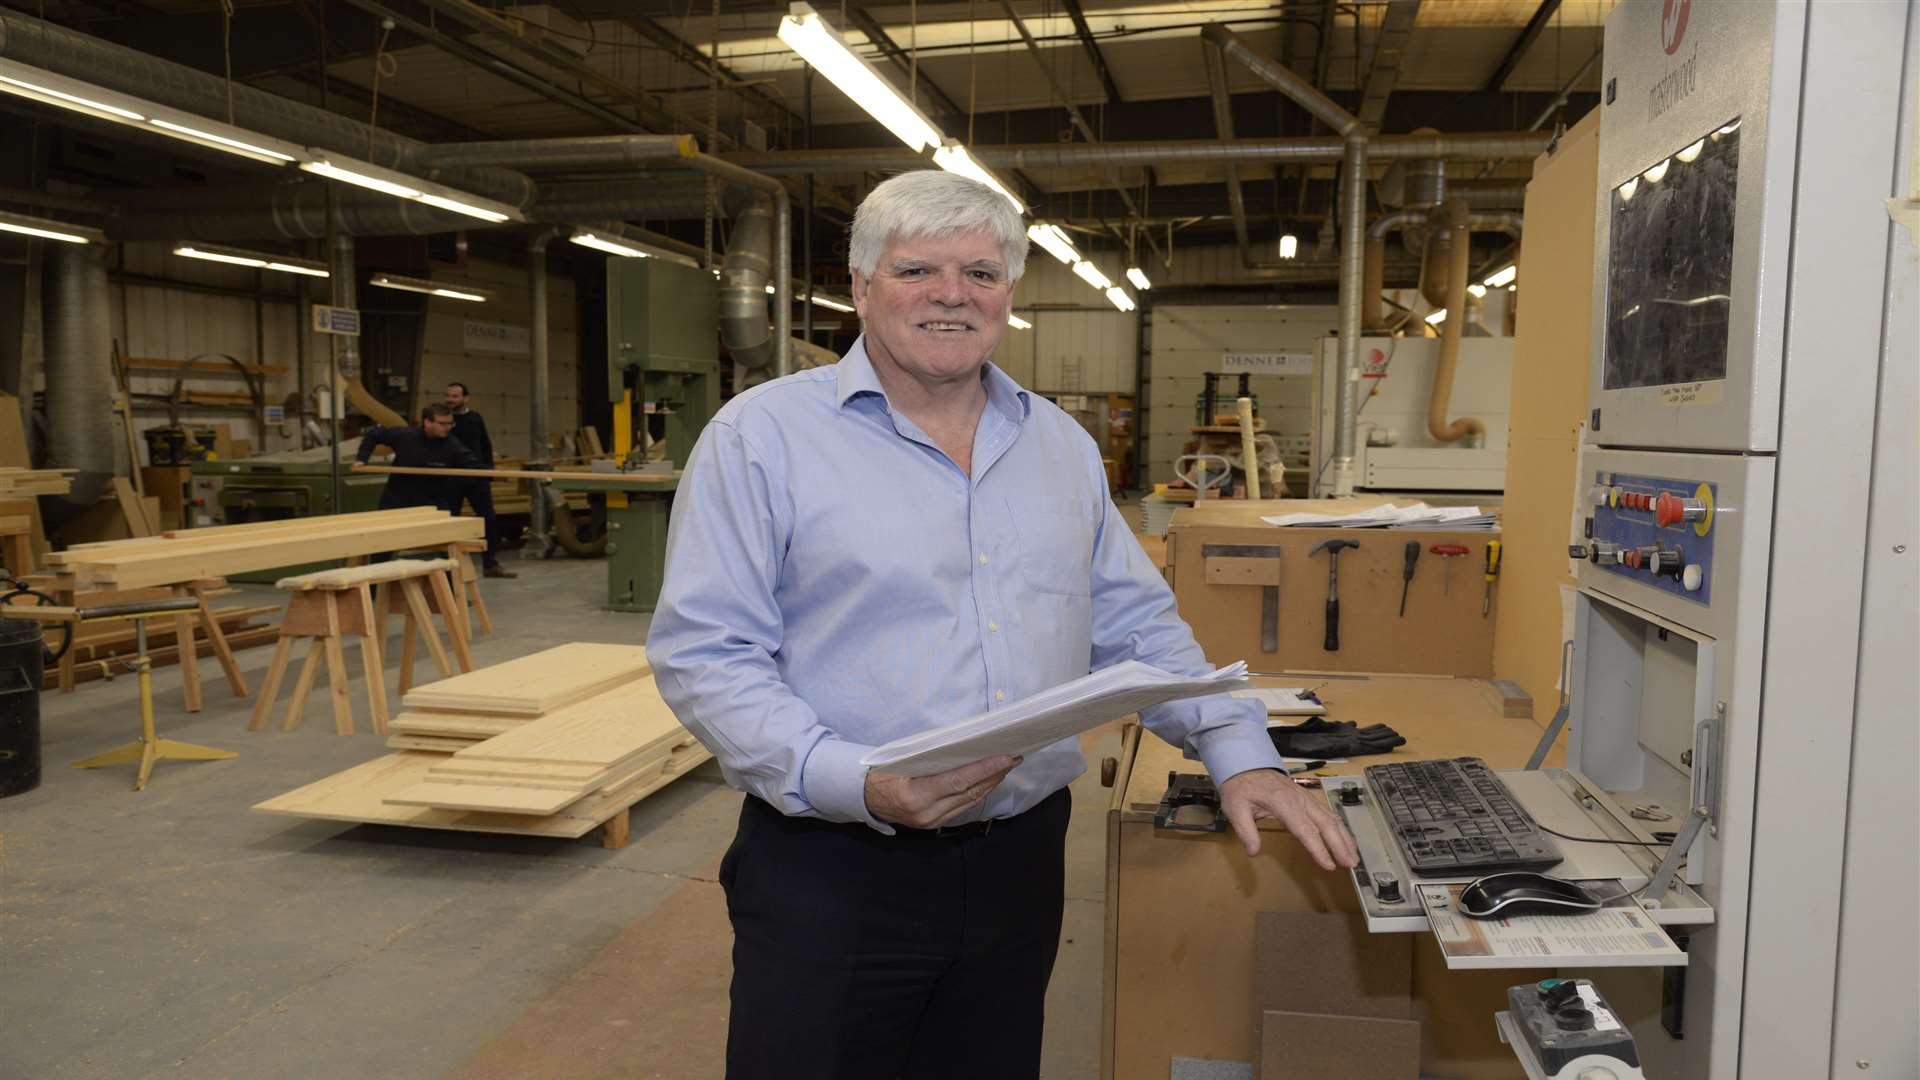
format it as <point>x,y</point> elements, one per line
<point>150,747</point>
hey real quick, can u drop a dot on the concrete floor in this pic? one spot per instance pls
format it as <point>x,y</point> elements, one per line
<point>176,933</point>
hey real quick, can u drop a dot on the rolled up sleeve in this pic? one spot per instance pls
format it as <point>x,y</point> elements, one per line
<point>717,631</point>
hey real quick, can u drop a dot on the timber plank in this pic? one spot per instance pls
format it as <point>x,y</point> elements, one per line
<point>537,684</point>
<point>266,553</point>
<point>600,732</point>
<point>455,725</point>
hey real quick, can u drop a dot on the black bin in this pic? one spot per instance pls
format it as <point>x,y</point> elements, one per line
<point>22,662</point>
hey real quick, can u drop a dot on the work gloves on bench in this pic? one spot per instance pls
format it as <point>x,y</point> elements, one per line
<point>1321,738</point>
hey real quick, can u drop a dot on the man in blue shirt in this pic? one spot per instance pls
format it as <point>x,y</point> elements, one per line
<point>892,544</point>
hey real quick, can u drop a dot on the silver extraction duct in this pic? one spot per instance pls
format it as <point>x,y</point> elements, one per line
<point>562,155</point>
<point>79,371</point>
<point>537,523</point>
<point>743,287</point>
<point>28,40</point>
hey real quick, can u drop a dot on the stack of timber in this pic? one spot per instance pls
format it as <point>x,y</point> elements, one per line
<point>185,555</point>
<point>553,744</point>
<point>17,482</point>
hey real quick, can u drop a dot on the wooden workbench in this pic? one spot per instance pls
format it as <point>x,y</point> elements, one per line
<point>1181,906</point>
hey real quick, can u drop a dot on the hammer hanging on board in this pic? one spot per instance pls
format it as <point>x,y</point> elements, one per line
<point>1333,549</point>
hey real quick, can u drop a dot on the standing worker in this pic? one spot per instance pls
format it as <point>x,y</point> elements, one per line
<point>882,547</point>
<point>429,446</point>
<point>477,491</point>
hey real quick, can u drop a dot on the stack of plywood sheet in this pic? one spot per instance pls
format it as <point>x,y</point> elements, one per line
<point>16,482</point>
<point>186,555</point>
<point>551,744</point>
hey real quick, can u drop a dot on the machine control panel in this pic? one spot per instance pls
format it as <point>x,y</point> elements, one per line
<point>1655,530</point>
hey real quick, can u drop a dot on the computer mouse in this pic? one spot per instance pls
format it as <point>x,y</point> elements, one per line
<point>1498,896</point>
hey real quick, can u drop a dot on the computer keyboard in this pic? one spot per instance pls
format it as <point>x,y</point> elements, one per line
<point>1455,816</point>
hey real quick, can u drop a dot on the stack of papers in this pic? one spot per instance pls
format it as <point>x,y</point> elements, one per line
<point>1416,515</point>
<point>1061,712</point>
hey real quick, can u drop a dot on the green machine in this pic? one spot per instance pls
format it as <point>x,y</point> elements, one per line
<point>276,487</point>
<point>663,375</point>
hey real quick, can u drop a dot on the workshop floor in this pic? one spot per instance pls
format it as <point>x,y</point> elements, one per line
<point>175,932</point>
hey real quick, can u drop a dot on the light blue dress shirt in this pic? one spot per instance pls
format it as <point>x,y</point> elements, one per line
<point>834,582</point>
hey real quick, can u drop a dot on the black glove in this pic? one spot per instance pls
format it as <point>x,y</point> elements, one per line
<point>1321,738</point>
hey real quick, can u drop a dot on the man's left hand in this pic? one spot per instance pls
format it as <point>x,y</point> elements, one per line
<point>1266,793</point>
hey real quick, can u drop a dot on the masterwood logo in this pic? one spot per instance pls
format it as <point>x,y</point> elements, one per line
<point>1673,24</point>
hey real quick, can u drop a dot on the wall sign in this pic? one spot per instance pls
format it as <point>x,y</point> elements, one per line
<point>336,320</point>
<point>1277,363</point>
<point>496,338</point>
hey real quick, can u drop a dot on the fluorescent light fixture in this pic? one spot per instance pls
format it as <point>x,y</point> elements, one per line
<point>1017,322</point>
<point>49,229</point>
<point>1054,240</point>
<point>245,149</point>
<point>1138,277</point>
<point>587,238</point>
<point>1435,318</point>
<point>1289,246</point>
<point>806,33</point>
<point>359,179</point>
<point>954,158</point>
<point>1091,274</point>
<point>831,303</point>
<point>1627,189</point>
<point>1658,172</point>
<point>431,288</point>
<point>402,186</point>
<point>1686,156</point>
<point>1502,276</point>
<point>48,88</point>
<point>1477,289</point>
<point>462,206</point>
<point>256,259</point>
<point>1119,298</point>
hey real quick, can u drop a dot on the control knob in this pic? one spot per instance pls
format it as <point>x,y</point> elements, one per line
<point>1690,578</point>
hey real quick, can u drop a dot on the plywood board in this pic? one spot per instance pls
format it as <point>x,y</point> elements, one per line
<point>455,725</point>
<point>537,684</point>
<point>599,732</point>
<point>447,795</point>
<point>244,555</point>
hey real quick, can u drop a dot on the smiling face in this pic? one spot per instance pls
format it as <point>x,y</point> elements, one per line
<point>935,307</point>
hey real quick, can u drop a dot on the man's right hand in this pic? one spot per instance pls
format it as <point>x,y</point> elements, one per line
<point>927,802</point>
<point>358,466</point>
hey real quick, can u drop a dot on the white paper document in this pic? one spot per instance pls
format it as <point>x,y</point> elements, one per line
<point>1059,712</point>
<point>1391,516</point>
<point>1619,934</point>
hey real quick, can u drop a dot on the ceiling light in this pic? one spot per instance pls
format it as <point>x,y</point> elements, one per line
<point>1091,274</point>
<point>431,288</point>
<point>358,179</point>
<point>1728,130</point>
<point>1686,156</point>
<point>1118,296</point>
<point>1054,240</point>
<point>49,229</point>
<point>954,158</point>
<point>255,259</point>
<point>1138,277</point>
<point>1477,289</point>
<point>402,186</point>
<point>830,303</point>
<point>587,238</point>
<point>1658,172</point>
<point>1017,322</point>
<point>1289,246</point>
<point>1502,276</point>
<point>461,206</point>
<point>1627,189</point>
<point>806,33</point>
<point>1435,318</point>
<point>48,88</point>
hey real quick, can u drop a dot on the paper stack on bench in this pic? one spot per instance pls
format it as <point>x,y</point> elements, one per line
<point>551,744</point>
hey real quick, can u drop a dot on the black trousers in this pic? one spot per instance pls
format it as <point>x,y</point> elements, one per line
<point>477,491</point>
<point>860,956</point>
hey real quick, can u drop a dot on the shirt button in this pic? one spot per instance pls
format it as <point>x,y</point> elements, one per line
<point>999,695</point>
<point>993,628</point>
<point>983,558</point>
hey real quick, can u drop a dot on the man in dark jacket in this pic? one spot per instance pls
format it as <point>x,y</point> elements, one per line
<point>471,429</point>
<point>431,445</point>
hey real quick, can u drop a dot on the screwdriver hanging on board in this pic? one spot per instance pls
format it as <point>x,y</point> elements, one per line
<point>1448,553</point>
<point>1406,574</point>
<point>1493,571</point>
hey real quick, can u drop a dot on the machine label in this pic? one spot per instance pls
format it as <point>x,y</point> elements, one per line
<point>1708,392</point>
<point>336,320</point>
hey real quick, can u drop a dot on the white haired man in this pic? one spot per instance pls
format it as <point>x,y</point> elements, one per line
<point>877,548</point>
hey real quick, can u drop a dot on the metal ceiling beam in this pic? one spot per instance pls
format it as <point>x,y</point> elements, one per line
<point>1541,15</point>
<point>1099,61</point>
<point>863,20</point>
<point>685,53</point>
<point>1389,46</point>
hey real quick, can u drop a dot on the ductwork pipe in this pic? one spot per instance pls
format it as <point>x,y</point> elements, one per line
<point>345,279</point>
<point>1456,237</point>
<point>43,45</point>
<point>1371,315</point>
<point>537,390</point>
<point>782,249</point>
<point>556,155</point>
<point>79,372</point>
<point>743,287</point>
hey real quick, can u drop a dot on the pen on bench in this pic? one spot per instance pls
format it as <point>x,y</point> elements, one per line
<point>1305,767</point>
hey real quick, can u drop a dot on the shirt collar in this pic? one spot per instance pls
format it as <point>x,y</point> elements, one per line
<point>854,376</point>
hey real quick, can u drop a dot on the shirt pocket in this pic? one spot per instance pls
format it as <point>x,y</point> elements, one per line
<point>1056,543</point>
